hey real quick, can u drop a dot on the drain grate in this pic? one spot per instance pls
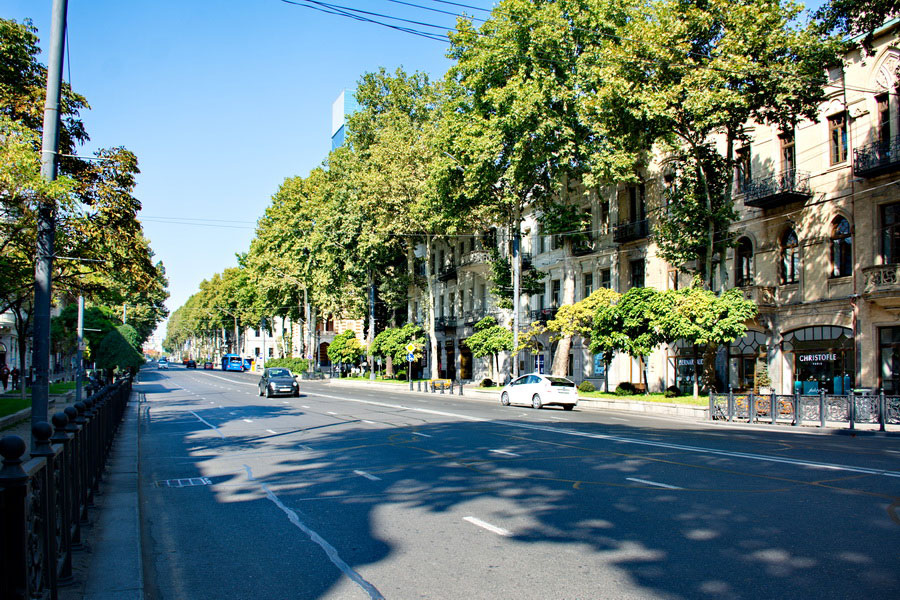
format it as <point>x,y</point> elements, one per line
<point>180,483</point>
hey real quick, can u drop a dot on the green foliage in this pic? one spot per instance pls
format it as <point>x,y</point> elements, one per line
<point>98,321</point>
<point>672,392</point>
<point>346,349</point>
<point>296,365</point>
<point>487,382</point>
<point>586,386</point>
<point>120,349</point>
<point>626,389</point>
<point>393,340</point>
<point>630,325</point>
<point>578,318</point>
<point>530,281</point>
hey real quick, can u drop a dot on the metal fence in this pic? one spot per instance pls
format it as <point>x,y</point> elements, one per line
<point>44,499</point>
<point>799,409</point>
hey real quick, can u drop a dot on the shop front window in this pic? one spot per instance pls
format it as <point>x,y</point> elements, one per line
<point>889,359</point>
<point>746,358</point>
<point>822,359</point>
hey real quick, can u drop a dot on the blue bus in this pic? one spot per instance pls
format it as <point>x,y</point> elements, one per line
<point>232,362</point>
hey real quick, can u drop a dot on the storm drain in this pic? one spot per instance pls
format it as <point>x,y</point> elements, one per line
<point>180,483</point>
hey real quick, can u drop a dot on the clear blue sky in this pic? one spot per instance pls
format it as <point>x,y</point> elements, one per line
<point>221,101</point>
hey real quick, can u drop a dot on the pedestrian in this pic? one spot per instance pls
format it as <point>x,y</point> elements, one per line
<point>4,376</point>
<point>15,377</point>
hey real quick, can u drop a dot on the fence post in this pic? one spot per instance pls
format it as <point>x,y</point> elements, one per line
<point>712,406</point>
<point>751,408</point>
<point>821,408</point>
<point>729,403</point>
<point>731,399</point>
<point>14,542</point>
<point>60,437</point>
<point>460,388</point>
<point>852,410</point>
<point>773,407</point>
<point>41,432</point>
<point>796,408</point>
<point>882,408</point>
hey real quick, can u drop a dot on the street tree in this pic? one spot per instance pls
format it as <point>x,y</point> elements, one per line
<point>489,340</point>
<point>678,73</point>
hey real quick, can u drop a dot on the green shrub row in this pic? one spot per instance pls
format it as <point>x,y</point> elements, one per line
<point>296,365</point>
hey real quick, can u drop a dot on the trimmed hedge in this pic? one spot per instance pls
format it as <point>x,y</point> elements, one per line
<point>296,365</point>
<point>626,389</point>
<point>587,386</point>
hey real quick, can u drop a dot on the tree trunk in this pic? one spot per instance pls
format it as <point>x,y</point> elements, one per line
<point>389,366</point>
<point>560,366</point>
<point>709,366</point>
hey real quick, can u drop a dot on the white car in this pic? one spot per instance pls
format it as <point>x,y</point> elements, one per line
<point>540,390</point>
<point>163,363</point>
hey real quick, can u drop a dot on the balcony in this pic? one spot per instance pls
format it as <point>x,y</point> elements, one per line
<point>475,257</point>
<point>447,273</point>
<point>881,285</point>
<point>473,316</point>
<point>526,260</point>
<point>777,190</point>
<point>445,323</point>
<point>877,158</point>
<point>629,232</point>
<point>583,248</point>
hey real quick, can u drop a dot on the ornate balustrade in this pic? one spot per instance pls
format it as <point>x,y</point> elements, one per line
<point>877,158</point>
<point>44,499</point>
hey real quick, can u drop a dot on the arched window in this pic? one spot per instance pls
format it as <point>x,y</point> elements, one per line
<point>790,258</point>
<point>841,248</point>
<point>743,263</point>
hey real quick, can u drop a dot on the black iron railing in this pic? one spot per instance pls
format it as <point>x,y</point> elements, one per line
<point>777,190</point>
<point>877,158</point>
<point>45,499</point>
<point>797,409</point>
<point>629,232</point>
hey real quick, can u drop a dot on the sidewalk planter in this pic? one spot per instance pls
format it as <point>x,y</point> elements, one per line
<point>44,499</point>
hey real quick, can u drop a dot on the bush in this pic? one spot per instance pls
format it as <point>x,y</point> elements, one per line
<point>487,382</point>
<point>626,389</point>
<point>672,392</point>
<point>296,365</point>
<point>587,386</point>
<point>401,374</point>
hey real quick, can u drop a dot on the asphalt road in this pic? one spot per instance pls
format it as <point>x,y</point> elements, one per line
<point>355,493</point>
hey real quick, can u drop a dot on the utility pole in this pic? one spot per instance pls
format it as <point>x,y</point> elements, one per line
<point>515,353</point>
<point>43,260</point>
<point>371,324</point>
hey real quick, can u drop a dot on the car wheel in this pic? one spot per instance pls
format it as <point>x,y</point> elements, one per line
<point>268,392</point>
<point>504,399</point>
<point>296,393</point>
<point>536,401</point>
<point>568,406</point>
<point>259,391</point>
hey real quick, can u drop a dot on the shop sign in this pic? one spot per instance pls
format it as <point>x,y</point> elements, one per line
<point>817,358</point>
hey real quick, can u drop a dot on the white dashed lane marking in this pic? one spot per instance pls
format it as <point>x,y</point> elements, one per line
<point>488,526</point>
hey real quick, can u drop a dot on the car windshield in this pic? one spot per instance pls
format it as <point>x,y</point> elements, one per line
<point>279,373</point>
<point>559,381</point>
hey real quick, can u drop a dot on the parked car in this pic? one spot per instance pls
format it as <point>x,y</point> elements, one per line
<point>190,364</point>
<point>540,390</point>
<point>162,363</point>
<point>277,381</point>
<point>208,366</point>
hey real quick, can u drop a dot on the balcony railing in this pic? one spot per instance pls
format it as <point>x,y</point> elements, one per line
<point>777,190</point>
<point>447,273</point>
<point>475,257</point>
<point>445,323</point>
<point>543,315</point>
<point>629,232</point>
<point>473,316</point>
<point>881,278</point>
<point>877,158</point>
<point>583,248</point>
<point>526,260</point>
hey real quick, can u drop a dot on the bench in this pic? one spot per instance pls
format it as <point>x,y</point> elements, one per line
<point>441,384</point>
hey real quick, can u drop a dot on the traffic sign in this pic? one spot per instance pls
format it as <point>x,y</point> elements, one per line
<point>410,347</point>
<point>410,357</point>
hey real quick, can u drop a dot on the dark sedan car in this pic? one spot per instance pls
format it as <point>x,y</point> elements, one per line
<point>191,364</point>
<point>278,381</point>
<point>208,366</point>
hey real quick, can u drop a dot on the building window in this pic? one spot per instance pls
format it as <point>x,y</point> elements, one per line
<point>742,168</point>
<point>743,263</point>
<point>637,273</point>
<point>256,352</point>
<point>271,352</point>
<point>256,333</point>
<point>636,208</point>
<point>841,248</point>
<point>890,233</point>
<point>673,279</point>
<point>837,127</point>
<point>604,217</point>
<point>788,152</point>
<point>606,279</point>
<point>588,285</point>
<point>555,288</point>
<point>883,111</point>
<point>790,258</point>
<point>542,243</point>
<point>452,303</point>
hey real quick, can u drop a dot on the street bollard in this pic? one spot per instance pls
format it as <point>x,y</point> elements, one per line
<point>822,408</point>
<point>451,388</point>
<point>419,386</point>
<point>882,407</point>
<point>442,388</point>
<point>460,388</point>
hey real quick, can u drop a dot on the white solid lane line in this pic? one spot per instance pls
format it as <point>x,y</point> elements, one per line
<point>654,483</point>
<point>419,434</point>
<point>272,432</point>
<point>208,424</point>
<point>368,476</point>
<point>488,526</point>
